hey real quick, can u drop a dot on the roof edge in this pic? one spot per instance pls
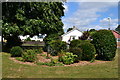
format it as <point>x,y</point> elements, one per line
<point>71,31</point>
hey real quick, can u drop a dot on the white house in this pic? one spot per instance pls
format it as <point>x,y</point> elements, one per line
<point>75,33</point>
<point>35,38</point>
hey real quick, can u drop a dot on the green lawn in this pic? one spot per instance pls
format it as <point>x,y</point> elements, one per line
<point>16,70</point>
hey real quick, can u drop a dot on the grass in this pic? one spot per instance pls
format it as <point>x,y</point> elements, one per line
<point>16,70</point>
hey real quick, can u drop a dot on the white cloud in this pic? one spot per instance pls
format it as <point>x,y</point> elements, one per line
<point>86,14</point>
<point>66,7</point>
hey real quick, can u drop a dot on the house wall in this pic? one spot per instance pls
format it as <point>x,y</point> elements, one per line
<point>36,38</point>
<point>75,33</point>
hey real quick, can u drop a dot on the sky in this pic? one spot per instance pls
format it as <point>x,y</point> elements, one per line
<point>90,15</point>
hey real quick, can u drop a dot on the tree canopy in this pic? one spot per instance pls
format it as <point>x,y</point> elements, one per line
<point>32,18</point>
<point>69,29</point>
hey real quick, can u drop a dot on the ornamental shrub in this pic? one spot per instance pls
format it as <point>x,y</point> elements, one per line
<point>16,51</point>
<point>29,56</point>
<point>105,44</point>
<point>38,51</point>
<point>57,46</point>
<point>75,43</point>
<point>68,58</point>
<point>76,51</point>
<point>88,51</point>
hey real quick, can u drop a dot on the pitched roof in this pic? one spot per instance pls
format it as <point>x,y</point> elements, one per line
<point>71,31</point>
<point>116,34</point>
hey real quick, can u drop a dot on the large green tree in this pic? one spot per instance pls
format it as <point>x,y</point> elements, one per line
<point>31,18</point>
<point>118,28</point>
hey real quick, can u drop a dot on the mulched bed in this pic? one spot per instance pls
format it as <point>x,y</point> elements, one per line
<point>44,60</point>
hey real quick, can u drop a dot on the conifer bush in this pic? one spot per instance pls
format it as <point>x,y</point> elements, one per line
<point>105,44</point>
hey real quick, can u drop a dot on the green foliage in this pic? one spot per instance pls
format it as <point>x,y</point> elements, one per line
<point>60,54</point>
<point>43,55</point>
<point>92,60</point>
<point>77,51</point>
<point>28,39</point>
<point>19,58</point>
<point>59,64</point>
<point>88,51</point>
<point>50,38</point>
<point>31,18</point>
<point>54,61</point>
<point>29,56</point>
<point>105,44</point>
<point>118,28</point>
<point>75,43</point>
<point>57,46</point>
<point>24,19</point>
<point>16,51</point>
<point>11,42</point>
<point>69,29</point>
<point>68,58</point>
<point>38,51</point>
<point>50,64</point>
<point>92,30</point>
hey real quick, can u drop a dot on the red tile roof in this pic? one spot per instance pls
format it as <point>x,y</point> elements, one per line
<point>116,34</point>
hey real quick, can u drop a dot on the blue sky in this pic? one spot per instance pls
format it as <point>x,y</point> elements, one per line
<point>89,15</point>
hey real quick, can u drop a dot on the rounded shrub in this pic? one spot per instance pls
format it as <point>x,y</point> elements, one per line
<point>16,51</point>
<point>29,56</point>
<point>57,46</point>
<point>76,51</point>
<point>105,44</point>
<point>75,43</point>
<point>88,51</point>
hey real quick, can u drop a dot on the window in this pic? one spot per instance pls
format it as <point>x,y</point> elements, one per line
<point>118,39</point>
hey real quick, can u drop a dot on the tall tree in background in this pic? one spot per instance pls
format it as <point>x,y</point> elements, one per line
<point>69,29</point>
<point>31,18</point>
<point>118,28</point>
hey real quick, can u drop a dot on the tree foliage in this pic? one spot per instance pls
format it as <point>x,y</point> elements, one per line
<point>32,18</point>
<point>69,29</point>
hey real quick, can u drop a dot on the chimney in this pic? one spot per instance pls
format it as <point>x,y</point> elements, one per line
<point>74,27</point>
